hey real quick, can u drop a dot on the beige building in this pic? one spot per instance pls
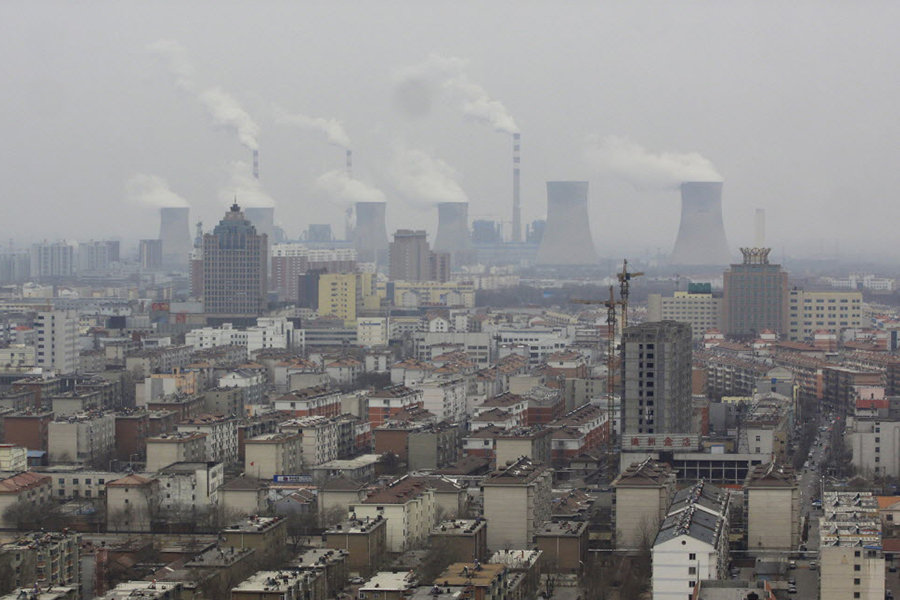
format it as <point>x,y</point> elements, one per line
<point>644,492</point>
<point>850,542</point>
<point>703,311</point>
<point>273,454</point>
<point>772,498</point>
<point>86,438</point>
<point>27,489</point>
<point>132,503</point>
<point>408,506</point>
<point>221,436</point>
<point>171,448</point>
<point>517,501</point>
<point>809,312</point>
<point>364,540</point>
<point>243,496</point>
<point>13,458</point>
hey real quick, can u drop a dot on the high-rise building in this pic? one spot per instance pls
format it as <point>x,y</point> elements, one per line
<point>813,312</point>
<point>151,255</point>
<point>57,348</point>
<point>756,294</point>
<point>698,307</point>
<point>409,256</point>
<point>234,267</point>
<point>52,260</point>
<point>656,370</point>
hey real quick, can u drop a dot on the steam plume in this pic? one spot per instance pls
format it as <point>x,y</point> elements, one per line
<point>645,169</point>
<point>224,109</point>
<point>332,129</point>
<point>247,189</point>
<point>423,178</point>
<point>341,187</point>
<point>152,190</point>
<point>417,85</point>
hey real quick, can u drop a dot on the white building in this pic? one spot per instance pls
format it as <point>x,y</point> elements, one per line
<point>56,344</point>
<point>702,310</point>
<point>190,488</point>
<point>517,500</point>
<point>445,398</point>
<point>692,543</point>
<point>221,436</point>
<point>371,331</point>
<point>269,332</point>
<point>850,547</point>
<point>408,506</point>
<point>876,445</point>
<point>251,382</point>
<point>541,342</point>
<point>318,438</point>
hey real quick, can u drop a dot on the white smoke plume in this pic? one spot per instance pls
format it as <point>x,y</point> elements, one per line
<point>332,129</point>
<point>152,190</point>
<point>339,186</point>
<point>423,178</point>
<point>246,189</point>
<point>645,169</point>
<point>224,109</point>
<point>416,86</point>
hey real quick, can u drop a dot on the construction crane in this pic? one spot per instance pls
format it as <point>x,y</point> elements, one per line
<point>625,278</point>
<point>610,305</point>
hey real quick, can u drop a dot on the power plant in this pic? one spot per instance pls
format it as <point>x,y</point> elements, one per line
<point>370,234</point>
<point>453,232</point>
<point>567,235</point>
<point>175,235</point>
<point>701,235</point>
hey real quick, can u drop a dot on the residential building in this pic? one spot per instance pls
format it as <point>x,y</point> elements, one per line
<point>387,402</point>
<point>409,256</point>
<point>445,398</point>
<point>388,585</point>
<point>272,454</point>
<point>364,540</point>
<point>516,502</point>
<point>656,369</point>
<point>875,442</point>
<point>408,505</point>
<point>756,295</point>
<point>189,490</point>
<point>280,585</point>
<point>461,540</point>
<point>221,435</point>
<point>53,260</point>
<point>564,545</point>
<point>266,535</point>
<point>692,543</point>
<point>772,500</point>
<point>320,400</point>
<point>176,447</point>
<point>850,547</point>
<point>28,429</point>
<point>644,492</point>
<point>88,438</point>
<point>235,269</point>
<point>13,458</point>
<point>319,438</point>
<point>25,489</point>
<point>132,503</point>
<point>56,343</point>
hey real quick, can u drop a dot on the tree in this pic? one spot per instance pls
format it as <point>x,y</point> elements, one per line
<point>437,558</point>
<point>25,515</point>
<point>300,525</point>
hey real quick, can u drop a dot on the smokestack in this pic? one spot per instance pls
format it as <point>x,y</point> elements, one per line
<point>175,234</point>
<point>350,164</point>
<point>567,235</point>
<point>256,164</point>
<point>517,206</point>
<point>759,229</point>
<point>453,231</point>
<point>370,235</point>
<point>701,235</point>
<point>263,218</point>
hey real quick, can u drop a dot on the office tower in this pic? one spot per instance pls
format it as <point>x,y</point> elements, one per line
<point>370,234</point>
<point>151,254</point>
<point>756,294</point>
<point>175,233</point>
<point>566,240</point>
<point>656,368</point>
<point>409,256</point>
<point>234,267</point>
<point>57,333</point>
<point>97,256</point>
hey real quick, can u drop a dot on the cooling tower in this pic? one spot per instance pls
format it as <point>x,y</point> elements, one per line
<point>263,218</point>
<point>701,235</point>
<point>567,235</point>
<point>175,235</point>
<point>370,235</point>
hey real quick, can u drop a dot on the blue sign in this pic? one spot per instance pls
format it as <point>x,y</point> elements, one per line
<point>293,478</point>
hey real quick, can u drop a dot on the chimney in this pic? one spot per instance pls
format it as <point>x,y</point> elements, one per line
<point>256,164</point>
<point>175,234</point>
<point>517,206</point>
<point>453,231</point>
<point>701,235</point>
<point>567,234</point>
<point>370,234</point>
<point>759,228</point>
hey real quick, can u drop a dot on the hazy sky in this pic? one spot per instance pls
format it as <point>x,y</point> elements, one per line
<point>794,103</point>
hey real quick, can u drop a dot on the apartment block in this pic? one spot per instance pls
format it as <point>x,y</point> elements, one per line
<point>516,502</point>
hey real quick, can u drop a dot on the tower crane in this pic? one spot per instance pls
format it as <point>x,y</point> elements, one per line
<point>611,316</point>
<point>625,278</point>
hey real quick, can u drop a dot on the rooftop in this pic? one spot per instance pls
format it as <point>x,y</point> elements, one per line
<point>561,529</point>
<point>387,580</point>
<point>272,581</point>
<point>219,557</point>
<point>515,559</point>
<point>459,527</point>
<point>521,472</point>
<point>253,525</point>
<point>475,574</point>
<point>357,526</point>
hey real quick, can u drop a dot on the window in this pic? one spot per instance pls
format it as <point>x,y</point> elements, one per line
<point>856,567</point>
<point>692,570</point>
<point>856,581</point>
<point>856,553</point>
<point>692,556</point>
